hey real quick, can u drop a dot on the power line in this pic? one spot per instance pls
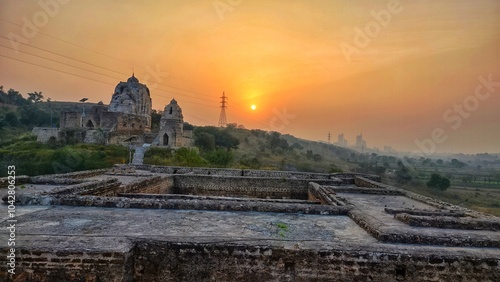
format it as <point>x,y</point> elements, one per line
<point>64,56</point>
<point>53,69</point>
<point>88,78</point>
<point>104,68</point>
<point>70,43</point>
<point>62,63</point>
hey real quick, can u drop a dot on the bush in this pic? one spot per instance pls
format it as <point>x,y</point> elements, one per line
<point>253,163</point>
<point>438,182</point>
<point>219,158</point>
<point>188,157</point>
<point>34,158</point>
<point>158,156</point>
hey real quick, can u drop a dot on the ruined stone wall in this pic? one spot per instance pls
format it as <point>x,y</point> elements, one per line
<point>154,260</point>
<point>152,185</point>
<point>252,173</point>
<point>78,174</point>
<point>132,124</point>
<point>71,265</point>
<point>71,120</point>
<point>150,260</point>
<point>44,134</point>
<point>241,186</point>
<point>211,262</point>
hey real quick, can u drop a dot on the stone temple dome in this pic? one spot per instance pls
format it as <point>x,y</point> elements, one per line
<point>131,97</point>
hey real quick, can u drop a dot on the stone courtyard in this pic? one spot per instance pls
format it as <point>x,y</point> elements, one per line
<point>154,223</point>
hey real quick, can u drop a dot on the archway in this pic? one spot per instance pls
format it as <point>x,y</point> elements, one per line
<point>89,124</point>
<point>165,139</point>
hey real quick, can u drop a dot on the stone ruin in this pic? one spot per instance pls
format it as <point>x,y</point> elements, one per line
<point>155,223</point>
<point>126,120</point>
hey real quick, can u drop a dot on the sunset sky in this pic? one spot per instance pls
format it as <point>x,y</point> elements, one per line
<point>392,70</point>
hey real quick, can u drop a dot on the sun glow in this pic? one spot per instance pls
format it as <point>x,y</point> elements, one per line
<point>253,107</point>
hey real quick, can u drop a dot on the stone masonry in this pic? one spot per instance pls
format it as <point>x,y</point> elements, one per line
<point>153,223</point>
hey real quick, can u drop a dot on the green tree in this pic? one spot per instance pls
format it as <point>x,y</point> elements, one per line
<point>309,154</point>
<point>31,115</point>
<point>317,157</point>
<point>35,97</point>
<point>403,175</point>
<point>13,97</point>
<point>275,141</point>
<point>456,163</point>
<point>438,182</point>
<point>222,137</point>
<point>205,141</point>
<point>11,119</point>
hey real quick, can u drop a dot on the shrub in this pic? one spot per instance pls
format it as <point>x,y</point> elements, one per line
<point>438,182</point>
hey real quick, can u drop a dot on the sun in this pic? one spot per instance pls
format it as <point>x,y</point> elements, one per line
<point>253,107</point>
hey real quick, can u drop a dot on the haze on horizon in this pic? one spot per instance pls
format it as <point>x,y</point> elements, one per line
<point>395,71</point>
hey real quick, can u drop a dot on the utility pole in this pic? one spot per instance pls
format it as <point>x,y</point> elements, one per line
<point>83,110</point>
<point>50,105</point>
<point>329,137</point>
<point>222,117</point>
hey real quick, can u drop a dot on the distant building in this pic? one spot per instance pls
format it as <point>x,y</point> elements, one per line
<point>360,143</point>
<point>341,141</point>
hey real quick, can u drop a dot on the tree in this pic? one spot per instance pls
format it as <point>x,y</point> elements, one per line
<point>35,97</point>
<point>296,146</point>
<point>275,141</point>
<point>438,182</point>
<point>32,115</point>
<point>403,175</point>
<point>309,154</point>
<point>317,157</point>
<point>205,141</point>
<point>14,98</point>
<point>456,163</point>
<point>11,119</point>
<point>222,137</point>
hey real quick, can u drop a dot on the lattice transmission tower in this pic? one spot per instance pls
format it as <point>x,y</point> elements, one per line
<point>222,117</point>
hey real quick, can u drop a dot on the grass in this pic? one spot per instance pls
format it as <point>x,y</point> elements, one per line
<point>480,199</point>
<point>282,229</point>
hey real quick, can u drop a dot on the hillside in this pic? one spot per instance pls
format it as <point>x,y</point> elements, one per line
<point>299,155</point>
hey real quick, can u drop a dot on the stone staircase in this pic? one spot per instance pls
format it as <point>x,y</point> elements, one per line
<point>138,157</point>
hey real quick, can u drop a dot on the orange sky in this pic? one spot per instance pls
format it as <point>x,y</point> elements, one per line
<point>405,71</point>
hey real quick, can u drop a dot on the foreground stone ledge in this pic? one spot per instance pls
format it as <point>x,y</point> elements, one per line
<point>385,233</point>
<point>449,222</point>
<point>178,260</point>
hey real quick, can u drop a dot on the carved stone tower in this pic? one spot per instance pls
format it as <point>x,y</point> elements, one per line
<point>133,98</point>
<point>171,126</point>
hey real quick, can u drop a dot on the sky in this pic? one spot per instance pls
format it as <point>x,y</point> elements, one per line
<point>420,76</point>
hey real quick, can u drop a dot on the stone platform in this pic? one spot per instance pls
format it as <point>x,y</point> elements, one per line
<point>160,224</point>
